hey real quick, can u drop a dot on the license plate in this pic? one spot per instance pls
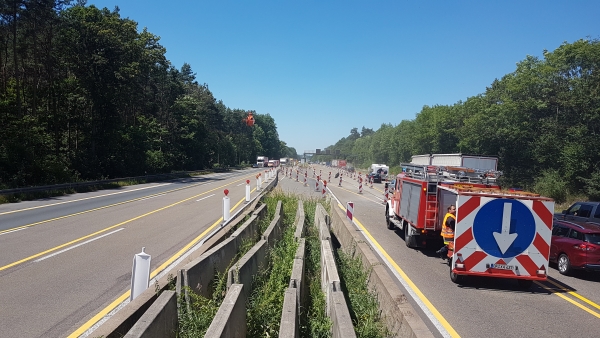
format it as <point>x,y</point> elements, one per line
<point>502,266</point>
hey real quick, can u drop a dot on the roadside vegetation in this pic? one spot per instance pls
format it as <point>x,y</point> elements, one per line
<point>541,120</point>
<point>266,301</point>
<point>362,302</point>
<point>313,321</point>
<point>88,94</point>
<point>265,304</point>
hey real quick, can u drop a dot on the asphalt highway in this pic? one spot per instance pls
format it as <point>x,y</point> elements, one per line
<point>562,306</point>
<point>64,259</point>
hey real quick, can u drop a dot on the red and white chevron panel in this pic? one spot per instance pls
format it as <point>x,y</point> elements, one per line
<point>478,262</point>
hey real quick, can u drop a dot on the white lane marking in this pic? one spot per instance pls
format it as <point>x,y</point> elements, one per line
<point>404,283</point>
<point>240,184</point>
<point>9,231</point>
<point>147,198</point>
<point>82,199</point>
<point>205,197</point>
<point>78,245</point>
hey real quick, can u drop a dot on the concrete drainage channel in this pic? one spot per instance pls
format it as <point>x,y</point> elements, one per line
<point>230,261</point>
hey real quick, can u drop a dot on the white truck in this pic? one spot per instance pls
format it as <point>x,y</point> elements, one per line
<point>457,160</point>
<point>262,161</point>
<point>381,169</point>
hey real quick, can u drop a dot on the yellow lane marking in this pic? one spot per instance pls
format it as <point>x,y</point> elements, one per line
<point>86,211</point>
<point>100,231</point>
<point>156,271</point>
<point>593,313</point>
<point>412,285</point>
<point>574,294</point>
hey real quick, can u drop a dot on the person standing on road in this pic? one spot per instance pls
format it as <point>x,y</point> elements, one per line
<point>448,231</point>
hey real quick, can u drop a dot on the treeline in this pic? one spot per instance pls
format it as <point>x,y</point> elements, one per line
<point>542,121</point>
<point>85,95</point>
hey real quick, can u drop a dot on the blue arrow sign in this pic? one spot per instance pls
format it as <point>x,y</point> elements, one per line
<point>504,228</point>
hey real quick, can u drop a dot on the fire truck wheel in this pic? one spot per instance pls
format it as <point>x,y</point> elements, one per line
<point>564,264</point>
<point>525,284</point>
<point>457,279</point>
<point>390,224</point>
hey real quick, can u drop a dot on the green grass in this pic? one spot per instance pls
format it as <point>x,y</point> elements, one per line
<point>266,301</point>
<point>362,303</point>
<point>313,321</point>
<point>195,320</point>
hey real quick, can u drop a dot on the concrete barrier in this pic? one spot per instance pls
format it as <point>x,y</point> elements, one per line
<point>124,319</point>
<point>400,317</point>
<point>244,270</point>
<point>297,280</point>
<point>159,321</point>
<point>341,322</point>
<point>199,274</point>
<point>274,231</point>
<point>289,326</point>
<point>230,320</point>
<point>321,222</point>
<point>299,221</point>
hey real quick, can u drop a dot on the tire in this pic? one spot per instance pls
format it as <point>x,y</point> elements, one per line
<point>407,237</point>
<point>563,264</point>
<point>525,284</point>
<point>388,221</point>
<point>456,279</point>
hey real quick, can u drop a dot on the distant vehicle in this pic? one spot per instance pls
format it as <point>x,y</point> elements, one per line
<point>376,177</point>
<point>283,161</point>
<point>273,163</point>
<point>254,165</point>
<point>380,169</point>
<point>575,245</point>
<point>581,212</point>
<point>262,161</point>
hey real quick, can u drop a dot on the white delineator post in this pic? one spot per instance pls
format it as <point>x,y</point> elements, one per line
<point>350,211</point>
<point>258,182</point>
<point>340,180</point>
<point>305,178</point>
<point>247,190</point>
<point>317,183</point>
<point>324,191</point>
<point>226,206</point>
<point>140,274</point>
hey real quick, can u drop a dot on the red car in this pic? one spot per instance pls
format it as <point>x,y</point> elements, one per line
<point>575,245</point>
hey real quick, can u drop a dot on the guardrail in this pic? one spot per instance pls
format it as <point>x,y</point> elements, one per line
<point>92,183</point>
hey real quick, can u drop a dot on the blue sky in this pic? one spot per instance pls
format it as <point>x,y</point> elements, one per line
<point>321,68</point>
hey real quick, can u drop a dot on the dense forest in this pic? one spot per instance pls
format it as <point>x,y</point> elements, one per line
<point>542,121</point>
<point>86,95</point>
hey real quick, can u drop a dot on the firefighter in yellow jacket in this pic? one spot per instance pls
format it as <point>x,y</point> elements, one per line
<point>448,232</point>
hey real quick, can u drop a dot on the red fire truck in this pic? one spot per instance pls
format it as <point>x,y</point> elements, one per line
<point>498,233</point>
